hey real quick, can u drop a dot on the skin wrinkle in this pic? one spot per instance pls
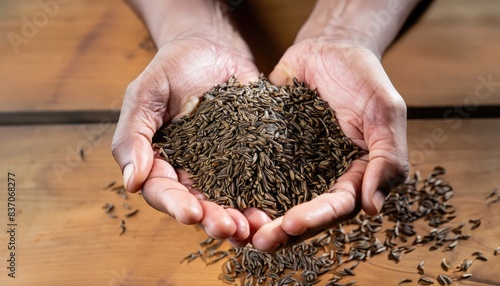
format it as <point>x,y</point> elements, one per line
<point>386,136</point>
<point>347,206</point>
<point>350,119</point>
<point>167,115</point>
<point>145,128</point>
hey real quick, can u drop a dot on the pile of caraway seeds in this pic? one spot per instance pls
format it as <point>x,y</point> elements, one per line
<point>259,145</point>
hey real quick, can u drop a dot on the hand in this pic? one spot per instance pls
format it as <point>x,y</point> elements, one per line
<point>370,111</point>
<point>182,70</point>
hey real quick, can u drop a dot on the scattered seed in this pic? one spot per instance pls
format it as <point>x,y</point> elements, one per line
<point>479,256</point>
<point>495,200</point>
<point>132,213</point>
<point>444,280</point>
<point>122,227</point>
<point>126,206</point>
<point>108,208</point>
<point>110,185</point>
<point>420,268</point>
<point>192,256</point>
<point>111,215</point>
<point>465,265</point>
<point>475,223</point>
<point>492,194</point>
<point>465,276</point>
<point>445,265</point>
<point>407,280</point>
<point>122,193</point>
<point>425,281</point>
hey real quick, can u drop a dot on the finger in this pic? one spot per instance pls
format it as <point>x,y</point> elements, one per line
<point>248,75</point>
<point>188,182</point>
<point>141,115</point>
<point>164,193</point>
<point>188,107</point>
<point>270,236</point>
<point>385,134</point>
<point>329,208</point>
<point>242,227</point>
<point>385,170</point>
<point>192,102</point>
<point>283,73</point>
<point>256,219</point>
<point>217,222</point>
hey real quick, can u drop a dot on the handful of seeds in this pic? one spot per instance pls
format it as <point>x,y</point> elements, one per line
<point>259,145</point>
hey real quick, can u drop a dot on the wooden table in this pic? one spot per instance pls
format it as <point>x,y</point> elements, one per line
<point>71,75</point>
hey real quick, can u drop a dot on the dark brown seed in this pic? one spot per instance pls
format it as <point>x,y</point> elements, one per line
<point>465,265</point>
<point>495,200</point>
<point>492,194</point>
<point>108,208</point>
<point>407,280</point>
<point>122,227</point>
<point>122,193</point>
<point>479,256</point>
<point>425,281</point>
<point>111,215</point>
<point>349,272</point>
<point>452,245</point>
<point>132,213</point>
<point>118,188</point>
<point>192,256</point>
<point>444,280</point>
<point>465,276</point>
<point>475,223</point>
<point>82,154</point>
<point>110,185</point>
<point>495,252</point>
<point>420,268</point>
<point>445,265</point>
<point>126,206</point>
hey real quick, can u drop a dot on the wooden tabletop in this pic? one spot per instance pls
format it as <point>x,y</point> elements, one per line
<point>65,238</point>
<point>76,65</point>
<point>73,71</point>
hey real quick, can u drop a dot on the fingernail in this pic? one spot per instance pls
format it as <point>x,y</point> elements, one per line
<point>378,200</point>
<point>127,174</point>
<point>188,107</point>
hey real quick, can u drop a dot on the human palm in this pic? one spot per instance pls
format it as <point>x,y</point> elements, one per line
<point>168,88</point>
<point>369,110</point>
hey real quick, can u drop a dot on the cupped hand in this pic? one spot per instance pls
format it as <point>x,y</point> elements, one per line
<point>370,111</point>
<point>180,73</point>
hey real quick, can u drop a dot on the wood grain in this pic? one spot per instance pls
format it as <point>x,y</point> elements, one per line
<point>64,237</point>
<point>436,63</point>
<point>440,60</point>
<point>84,56</point>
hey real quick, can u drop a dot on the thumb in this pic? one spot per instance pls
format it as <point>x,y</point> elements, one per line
<point>283,74</point>
<point>387,167</point>
<point>141,115</point>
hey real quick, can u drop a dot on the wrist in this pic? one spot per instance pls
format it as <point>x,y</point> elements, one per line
<point>370,24</point>
<point>167,20</point>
